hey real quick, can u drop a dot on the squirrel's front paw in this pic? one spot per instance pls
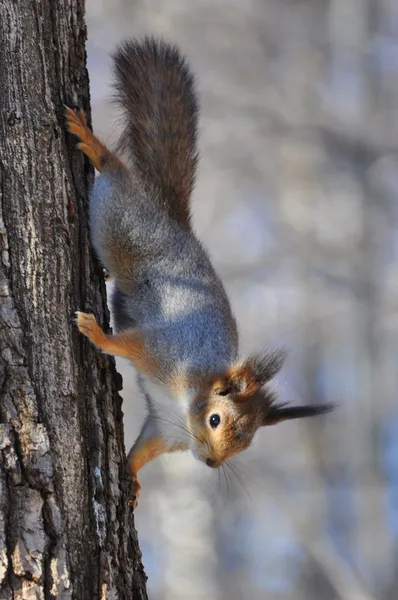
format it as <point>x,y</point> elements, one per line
<point>135,492</point>
<point>88,325</point>
<point>76,122</point>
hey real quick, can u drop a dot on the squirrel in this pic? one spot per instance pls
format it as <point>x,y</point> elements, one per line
<point>172,316</point>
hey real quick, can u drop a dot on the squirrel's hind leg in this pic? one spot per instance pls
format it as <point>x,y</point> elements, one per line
<point>90,145</point>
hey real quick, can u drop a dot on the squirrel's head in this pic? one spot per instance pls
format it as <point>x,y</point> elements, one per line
<point>230,408</point>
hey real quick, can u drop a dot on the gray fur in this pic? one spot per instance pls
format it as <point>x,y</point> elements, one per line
<point>166,285</point>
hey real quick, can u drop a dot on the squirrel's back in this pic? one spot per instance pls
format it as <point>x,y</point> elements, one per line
<point>165,284</point>
<point>155,88</point>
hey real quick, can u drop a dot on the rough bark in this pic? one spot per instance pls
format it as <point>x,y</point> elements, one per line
<point>65,527</point>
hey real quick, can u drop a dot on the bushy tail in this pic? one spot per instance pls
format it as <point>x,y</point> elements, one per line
<point>155,87</point>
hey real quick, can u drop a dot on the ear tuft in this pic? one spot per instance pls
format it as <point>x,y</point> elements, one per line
<point>265,366</point>
<point>282,412</point>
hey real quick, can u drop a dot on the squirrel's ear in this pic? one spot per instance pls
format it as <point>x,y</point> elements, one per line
<point>276,414</point>
<point>247,378</point>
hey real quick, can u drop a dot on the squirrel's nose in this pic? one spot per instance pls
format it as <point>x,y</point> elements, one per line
<point>210,462</point>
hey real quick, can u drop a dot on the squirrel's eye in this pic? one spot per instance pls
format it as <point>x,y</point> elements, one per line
<point>214,421</point>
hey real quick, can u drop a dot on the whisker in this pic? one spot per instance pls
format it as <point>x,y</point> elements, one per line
<point>216,489</point>
<point>175,420</point>
<point>179,426</point>
<point>218,484</point>
<point>240,479</point>
<point>227,481</point>
<point>244,473</point>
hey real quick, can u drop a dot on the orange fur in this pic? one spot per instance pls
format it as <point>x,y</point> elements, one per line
<point>128,344</point>
<point>90,145</point>
<point>144,451</point>
<point>148,449</point>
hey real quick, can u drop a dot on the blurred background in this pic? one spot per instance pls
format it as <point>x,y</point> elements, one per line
<point>296,200</point>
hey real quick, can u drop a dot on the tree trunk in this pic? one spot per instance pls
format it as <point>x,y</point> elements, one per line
<point>65,527</point>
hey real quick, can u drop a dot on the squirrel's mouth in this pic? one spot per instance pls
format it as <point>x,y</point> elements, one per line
<point>210,462</point>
